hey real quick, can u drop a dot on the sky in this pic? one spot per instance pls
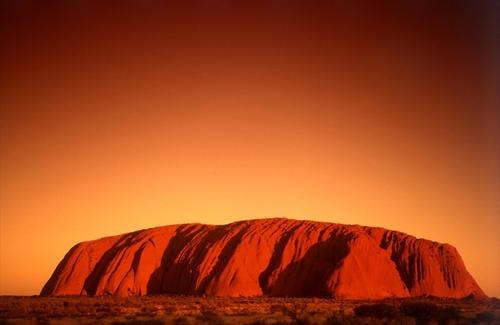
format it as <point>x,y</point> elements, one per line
<point>119,117</point>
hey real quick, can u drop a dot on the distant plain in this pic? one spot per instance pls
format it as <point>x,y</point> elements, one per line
<point>155,310</point>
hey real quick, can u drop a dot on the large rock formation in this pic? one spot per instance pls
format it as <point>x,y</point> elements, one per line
<point>275,257</point>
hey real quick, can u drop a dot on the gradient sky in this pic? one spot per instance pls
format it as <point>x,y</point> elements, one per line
<point>121,117</point>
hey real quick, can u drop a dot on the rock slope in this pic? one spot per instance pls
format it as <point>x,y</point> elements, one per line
<point>274,257</point>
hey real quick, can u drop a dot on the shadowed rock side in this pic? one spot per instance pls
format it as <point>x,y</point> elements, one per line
<point>275,257</point>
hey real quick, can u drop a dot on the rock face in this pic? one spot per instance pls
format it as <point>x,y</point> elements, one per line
<point>275,257</point>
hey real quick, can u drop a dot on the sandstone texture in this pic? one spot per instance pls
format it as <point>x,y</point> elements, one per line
<point>273,257</point>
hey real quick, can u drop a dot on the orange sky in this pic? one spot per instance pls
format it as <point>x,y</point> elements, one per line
<point>119,118</point>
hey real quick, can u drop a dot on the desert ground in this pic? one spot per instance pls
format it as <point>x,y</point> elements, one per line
<point>155,310</point>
